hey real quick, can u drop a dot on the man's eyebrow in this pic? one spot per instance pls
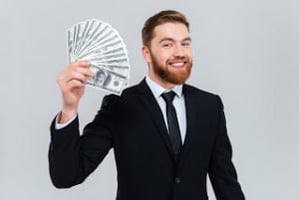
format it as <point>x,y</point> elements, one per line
<point>166,39</point>
<point>172,40</point>
<point>187,39</point>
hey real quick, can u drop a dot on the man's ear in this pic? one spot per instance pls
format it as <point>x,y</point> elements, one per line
<point>146,54</point>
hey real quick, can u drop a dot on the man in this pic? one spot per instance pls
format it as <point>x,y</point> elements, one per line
<point>165,143</point>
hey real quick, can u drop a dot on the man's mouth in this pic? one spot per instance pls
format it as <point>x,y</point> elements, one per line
<point>180,64</point>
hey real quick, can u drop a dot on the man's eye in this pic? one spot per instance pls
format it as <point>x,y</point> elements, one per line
<point>186,44</point>
<point>167,45</point>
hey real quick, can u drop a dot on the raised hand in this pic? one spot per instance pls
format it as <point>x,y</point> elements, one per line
<point>72,81</point>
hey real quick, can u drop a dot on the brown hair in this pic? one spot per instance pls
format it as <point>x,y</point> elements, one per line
<point>158,19</point>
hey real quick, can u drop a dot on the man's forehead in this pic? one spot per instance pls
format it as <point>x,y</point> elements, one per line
<point>175,31</point>
<point>171,25</point>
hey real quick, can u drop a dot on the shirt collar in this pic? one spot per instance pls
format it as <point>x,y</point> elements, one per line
<point>157,90</point>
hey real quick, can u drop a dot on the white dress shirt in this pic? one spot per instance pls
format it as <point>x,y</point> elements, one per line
<point>157,90</point>
<point>178,102</point>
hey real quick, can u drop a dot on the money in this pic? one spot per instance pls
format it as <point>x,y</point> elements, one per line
<point>106,79</point>
<point>99,43</point>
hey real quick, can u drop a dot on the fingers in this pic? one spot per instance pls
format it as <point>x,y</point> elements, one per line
<point>84,71</point>
<point>75,83</point>
<point>68,87</point>
<point>82,67</point>
<point>75,75</point>
<point>81,63</point>
<point>75,72</point>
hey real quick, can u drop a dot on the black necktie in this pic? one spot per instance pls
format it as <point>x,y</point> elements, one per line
<point>172,121</point>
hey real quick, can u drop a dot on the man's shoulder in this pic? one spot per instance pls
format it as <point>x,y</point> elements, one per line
<point>127,92</point>
<point>189,89</point>
<point>202,97</point>
<point>136,89</point>
<point>131,89</point>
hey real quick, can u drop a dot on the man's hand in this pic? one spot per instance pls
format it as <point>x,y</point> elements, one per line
<point>72,81</point>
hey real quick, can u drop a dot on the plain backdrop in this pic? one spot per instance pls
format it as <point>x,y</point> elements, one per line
<point>247,51</point>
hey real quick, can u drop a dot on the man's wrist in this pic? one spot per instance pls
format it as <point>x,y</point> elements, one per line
<point>59,124</point>
<point>66,115</point>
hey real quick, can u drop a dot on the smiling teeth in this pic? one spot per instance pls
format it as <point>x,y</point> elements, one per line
<point>178,64</point>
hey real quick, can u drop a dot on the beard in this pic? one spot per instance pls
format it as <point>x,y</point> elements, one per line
<point>174,76</point>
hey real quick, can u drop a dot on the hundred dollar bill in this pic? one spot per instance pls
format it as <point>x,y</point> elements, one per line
<point>107,80</point>
<point>99,43</point>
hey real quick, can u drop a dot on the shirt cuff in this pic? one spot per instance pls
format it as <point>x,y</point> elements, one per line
<point>59,126</point>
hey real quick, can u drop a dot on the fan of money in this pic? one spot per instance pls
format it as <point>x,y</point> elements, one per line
<point>99,43</point>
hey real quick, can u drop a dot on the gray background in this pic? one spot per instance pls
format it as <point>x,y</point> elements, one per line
<point>246,51</point>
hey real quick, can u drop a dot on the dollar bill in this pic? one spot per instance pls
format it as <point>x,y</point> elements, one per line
<point>108,80</point>
<point>99,43</point>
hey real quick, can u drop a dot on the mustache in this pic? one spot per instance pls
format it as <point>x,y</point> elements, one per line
<point>178,59</point>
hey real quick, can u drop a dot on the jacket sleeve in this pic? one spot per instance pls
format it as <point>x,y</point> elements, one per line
<point>222,172</point>
<point>73,157</point>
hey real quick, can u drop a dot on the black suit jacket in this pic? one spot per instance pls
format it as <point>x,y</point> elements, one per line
<point>133,126</point>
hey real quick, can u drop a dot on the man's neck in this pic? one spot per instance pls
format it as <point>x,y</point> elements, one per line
<point>158,89</point>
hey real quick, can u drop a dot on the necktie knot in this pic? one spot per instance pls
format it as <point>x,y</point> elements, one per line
<point>168,96</point>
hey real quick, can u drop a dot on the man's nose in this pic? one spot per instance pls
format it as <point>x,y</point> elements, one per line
<point>178,51</point>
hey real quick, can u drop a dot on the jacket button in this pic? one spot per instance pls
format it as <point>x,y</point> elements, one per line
<point>177,180</point>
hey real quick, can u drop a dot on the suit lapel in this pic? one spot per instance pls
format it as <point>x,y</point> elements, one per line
<point>151,105</point>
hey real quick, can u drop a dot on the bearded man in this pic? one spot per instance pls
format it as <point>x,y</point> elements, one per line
<point>167,136</point>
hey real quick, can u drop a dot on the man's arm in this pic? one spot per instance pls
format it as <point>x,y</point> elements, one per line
<point>222,172</point>
<point>73,157</point>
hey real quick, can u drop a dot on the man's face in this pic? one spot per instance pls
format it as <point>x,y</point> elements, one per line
<point>170,54</point>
